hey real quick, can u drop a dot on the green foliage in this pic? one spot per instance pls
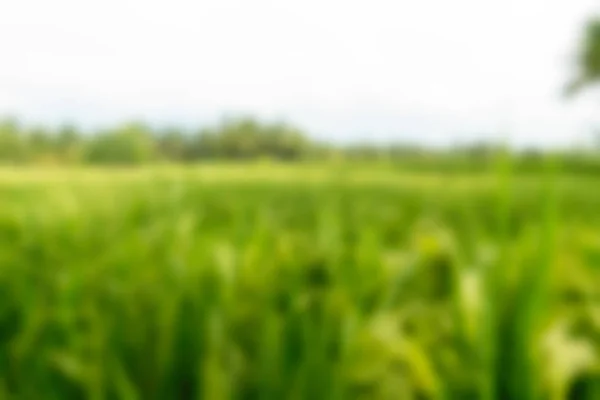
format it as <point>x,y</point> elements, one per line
<point>12,148</point>
<point>136,143</point>
<point>172,144</point>
<point>129,144</point>
<point>205,284</point>
<point>588,58</point>
<point>246,140</point>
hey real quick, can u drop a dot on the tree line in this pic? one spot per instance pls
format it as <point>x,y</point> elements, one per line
<point>247,138</point>
<point>242,138</point>
<point>138,143</point>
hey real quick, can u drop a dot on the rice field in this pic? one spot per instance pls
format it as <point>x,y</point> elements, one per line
<point>298,282</point>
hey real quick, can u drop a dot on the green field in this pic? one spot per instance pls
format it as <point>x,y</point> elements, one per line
<point>270,281</point>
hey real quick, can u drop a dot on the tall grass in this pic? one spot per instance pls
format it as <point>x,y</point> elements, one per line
<point>168,286</point>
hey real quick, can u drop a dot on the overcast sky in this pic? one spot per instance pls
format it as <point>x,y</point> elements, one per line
<point>429,70</point>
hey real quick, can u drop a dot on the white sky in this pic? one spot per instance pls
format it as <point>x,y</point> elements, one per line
<point>428,70</point>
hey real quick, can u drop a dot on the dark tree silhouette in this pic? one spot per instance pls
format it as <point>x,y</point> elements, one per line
<point>588,59</point>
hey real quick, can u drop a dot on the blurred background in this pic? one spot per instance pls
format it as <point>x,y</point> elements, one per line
<point>433,73</point>
<point>288,199</point>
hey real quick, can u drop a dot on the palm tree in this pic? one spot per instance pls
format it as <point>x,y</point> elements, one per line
<point>588,59</point>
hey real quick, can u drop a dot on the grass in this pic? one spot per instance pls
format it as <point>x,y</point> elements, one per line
<point>288,282</point>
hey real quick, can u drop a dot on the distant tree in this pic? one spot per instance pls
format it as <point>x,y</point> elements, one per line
<point>172,144</point>
<point>131,143</point>
<point>69,144</point>
<point>588,59</point>
<point>13,147</point>
<point>41,145</point>
<point>205,144</point>
<point>480,150</point>
<point>240,138</point>
<point>284,142</point>
<point>247,138</point>
<point>364,151</point>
